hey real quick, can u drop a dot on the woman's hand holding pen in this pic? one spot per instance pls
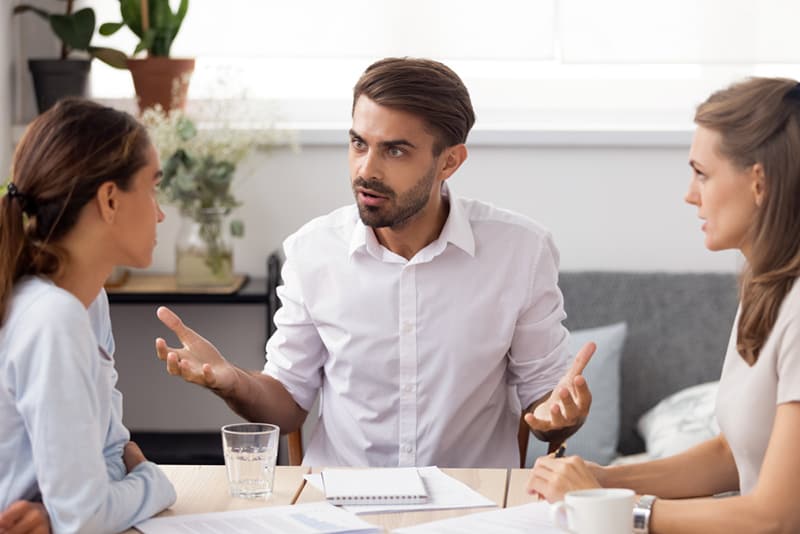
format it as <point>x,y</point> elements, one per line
<point>552,477</point>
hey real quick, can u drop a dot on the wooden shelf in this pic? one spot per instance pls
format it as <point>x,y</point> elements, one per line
<point>163,289</point>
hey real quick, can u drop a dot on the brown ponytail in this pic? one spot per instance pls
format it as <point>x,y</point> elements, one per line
<point>759,122</point>
<point>64,156</point>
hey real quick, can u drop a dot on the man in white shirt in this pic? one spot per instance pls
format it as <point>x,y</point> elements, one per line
<point>424,321</point>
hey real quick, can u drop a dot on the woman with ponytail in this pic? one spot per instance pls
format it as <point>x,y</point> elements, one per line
<point>81,200</point>
<point>745,160</point>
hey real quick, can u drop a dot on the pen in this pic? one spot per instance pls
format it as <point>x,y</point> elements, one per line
<point>559,453</point>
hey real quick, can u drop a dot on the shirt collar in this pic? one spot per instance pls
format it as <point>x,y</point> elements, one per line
<point>456,230</point>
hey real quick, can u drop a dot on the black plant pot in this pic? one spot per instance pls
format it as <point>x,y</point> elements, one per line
<point>53,79</point>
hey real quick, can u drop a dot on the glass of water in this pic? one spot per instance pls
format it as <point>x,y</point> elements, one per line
<point>251,450</point>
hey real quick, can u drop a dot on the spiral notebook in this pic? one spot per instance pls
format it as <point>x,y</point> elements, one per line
<point>400,485</point>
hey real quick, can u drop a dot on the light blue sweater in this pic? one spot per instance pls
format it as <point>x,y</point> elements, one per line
<point>61,431</point>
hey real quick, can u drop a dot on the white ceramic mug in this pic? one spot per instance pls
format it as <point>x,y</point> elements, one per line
<point>595,511</point>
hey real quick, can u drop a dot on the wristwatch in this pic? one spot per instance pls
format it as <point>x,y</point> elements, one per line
<point>641,514</point>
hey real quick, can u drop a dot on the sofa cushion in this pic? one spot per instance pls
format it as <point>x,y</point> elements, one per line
<point>678,328</point>
<point>597,438</point>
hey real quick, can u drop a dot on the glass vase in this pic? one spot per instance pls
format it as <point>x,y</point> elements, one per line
<point>203,251</point>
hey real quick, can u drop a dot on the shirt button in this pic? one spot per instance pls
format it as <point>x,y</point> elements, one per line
<point>408,388</point>
<point>407,327</point>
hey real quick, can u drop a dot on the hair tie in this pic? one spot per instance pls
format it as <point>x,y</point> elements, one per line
<point>793,93</point>
<point>27,203</point>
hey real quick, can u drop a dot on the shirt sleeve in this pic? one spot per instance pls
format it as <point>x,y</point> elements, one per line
<point>789,349</point>
<point>538,356</point>
<point>295,352</point>
<point>56,380</point>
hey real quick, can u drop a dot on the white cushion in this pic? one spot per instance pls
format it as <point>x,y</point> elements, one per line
<point>680,421</point>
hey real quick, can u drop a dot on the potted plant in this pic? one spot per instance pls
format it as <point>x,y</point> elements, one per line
<point>198,170</point>
<point>158,78</point>
<point>54,79</point>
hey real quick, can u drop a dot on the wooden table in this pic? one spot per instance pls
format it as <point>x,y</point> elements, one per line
<point>491,483</point>
<point>517,494</point>
<point>204,488</point>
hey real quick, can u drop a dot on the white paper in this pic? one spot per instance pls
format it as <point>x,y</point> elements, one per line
<point>531,518</point>
<point>444,492</point>
<point>309,518</point>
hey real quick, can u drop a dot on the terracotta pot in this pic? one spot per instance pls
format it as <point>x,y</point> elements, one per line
<point>161,80</point>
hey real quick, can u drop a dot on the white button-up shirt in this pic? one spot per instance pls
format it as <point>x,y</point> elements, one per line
<point>426,361</point>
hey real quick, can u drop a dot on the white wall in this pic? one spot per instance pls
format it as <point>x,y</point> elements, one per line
<point>6,84</point>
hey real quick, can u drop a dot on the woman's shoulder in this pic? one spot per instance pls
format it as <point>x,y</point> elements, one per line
<point>40,299</point>
<point>41,312</point>
<point>790,307</point>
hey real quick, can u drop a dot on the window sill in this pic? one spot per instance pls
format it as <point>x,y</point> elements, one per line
<point>332,135</point>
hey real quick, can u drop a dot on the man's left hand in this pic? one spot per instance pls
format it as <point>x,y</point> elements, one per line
<point>569,402</point>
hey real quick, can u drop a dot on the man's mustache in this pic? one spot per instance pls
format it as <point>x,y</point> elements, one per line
<point>374,185</point>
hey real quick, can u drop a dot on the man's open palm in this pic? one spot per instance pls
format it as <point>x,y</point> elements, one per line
<point>197,361</point>
<point>568,404</point>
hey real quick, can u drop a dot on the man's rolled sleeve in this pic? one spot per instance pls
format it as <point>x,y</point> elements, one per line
<point>538,357</point>
<point>295,352</point>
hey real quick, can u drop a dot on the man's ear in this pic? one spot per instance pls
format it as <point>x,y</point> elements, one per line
<point>107,200</point>
<point>759,184</point>
<point>453,157</point>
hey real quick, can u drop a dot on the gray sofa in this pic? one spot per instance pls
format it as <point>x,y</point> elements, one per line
<point>678,329</point>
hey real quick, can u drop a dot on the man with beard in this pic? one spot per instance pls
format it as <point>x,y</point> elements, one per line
<point>425,321</point>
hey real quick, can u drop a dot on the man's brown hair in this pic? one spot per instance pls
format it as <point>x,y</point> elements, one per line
<point>425,88</point>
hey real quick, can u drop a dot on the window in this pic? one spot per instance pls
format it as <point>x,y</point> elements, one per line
<point>529,64</point>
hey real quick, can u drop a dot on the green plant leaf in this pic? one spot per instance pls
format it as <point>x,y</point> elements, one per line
<point>110,28</point>
<point>75,30</point>
<point>185,129</point>
<point>22,8</point>
<point>109,56</point>
<point>131,12</point>
<point>237,228</point>
<point>147,41</point>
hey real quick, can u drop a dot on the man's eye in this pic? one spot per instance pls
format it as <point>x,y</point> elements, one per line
<point>357,143</point>
<point>396,152</point>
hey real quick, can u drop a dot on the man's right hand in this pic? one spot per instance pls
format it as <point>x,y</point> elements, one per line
<point>198,361</point>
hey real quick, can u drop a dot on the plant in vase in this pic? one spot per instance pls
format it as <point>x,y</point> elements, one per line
<point>199,166</point>
<point>158,78</point>
<point>54,79</point>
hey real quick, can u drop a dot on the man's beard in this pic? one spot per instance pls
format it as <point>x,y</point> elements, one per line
<point>396,211</point>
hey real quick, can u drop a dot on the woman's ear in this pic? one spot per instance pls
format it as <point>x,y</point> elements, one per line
<point>107,199</point>
<point>759,184</point>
